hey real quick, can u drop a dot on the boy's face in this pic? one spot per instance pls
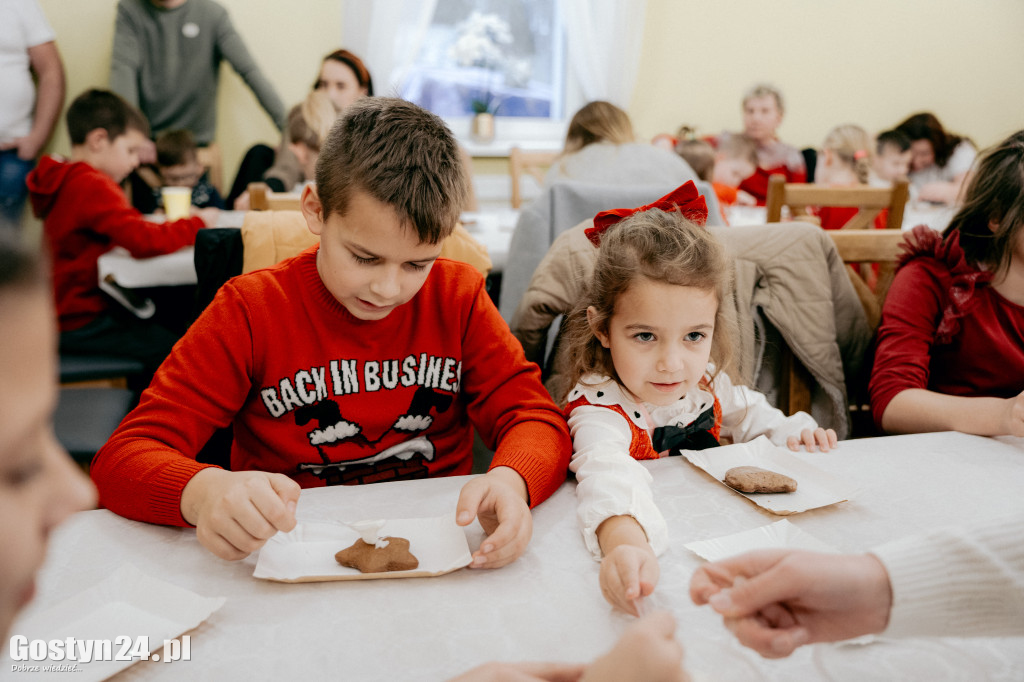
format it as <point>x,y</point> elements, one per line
<point>369,261</point>
<point>181,174</point>
<point>761,118</point>
<point>120,156</point>
<point>39,484</point>
<point>892,164</point>
<point>731,172</point>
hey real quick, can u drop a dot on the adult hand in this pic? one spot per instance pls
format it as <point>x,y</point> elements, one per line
<point>523,672</point>
<point>647,652</point>
<point>242,202</point>
<point>147,153</point>
<point>498,500</point>
<point>28,147</point>
<point>236,512</point>
<point>777,600</point>
<point>825,439</point>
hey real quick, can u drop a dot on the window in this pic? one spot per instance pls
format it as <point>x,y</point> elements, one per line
<point>506,57</point>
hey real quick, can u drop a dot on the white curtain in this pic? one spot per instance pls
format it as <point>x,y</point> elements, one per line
<point>605,39</point>
<point>387,35</point>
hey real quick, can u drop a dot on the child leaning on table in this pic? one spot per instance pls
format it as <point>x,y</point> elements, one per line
<point>177,165</point>
<point>366,358</point>
<point>85,214</point>
<point>650,351</point>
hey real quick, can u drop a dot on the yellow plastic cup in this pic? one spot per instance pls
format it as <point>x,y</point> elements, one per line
<point>177,202</point>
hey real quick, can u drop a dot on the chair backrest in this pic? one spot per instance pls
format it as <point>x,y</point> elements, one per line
<point>209,157</point>
<point>261,198</point>
<point>532,163</point>
<point>862,248</point>
<point>870,201</point>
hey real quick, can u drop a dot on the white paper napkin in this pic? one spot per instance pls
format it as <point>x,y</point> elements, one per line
<point>815,488</point>
<point>306,554</point>
<point>779,535</point>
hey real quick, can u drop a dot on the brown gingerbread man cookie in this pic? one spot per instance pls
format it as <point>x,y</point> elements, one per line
<point>757,480</point>
<point>370,558</point>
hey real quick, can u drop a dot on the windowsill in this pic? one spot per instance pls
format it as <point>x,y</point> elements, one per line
<point>532,134</point>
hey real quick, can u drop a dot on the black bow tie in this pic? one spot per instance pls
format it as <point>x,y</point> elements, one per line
<point>694,436</point>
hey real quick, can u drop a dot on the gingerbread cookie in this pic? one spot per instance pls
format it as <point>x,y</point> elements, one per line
<point>757,480</point>
<point>388,554</point>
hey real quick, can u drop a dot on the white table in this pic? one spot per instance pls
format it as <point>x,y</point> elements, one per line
<point>547,605</point>
<point>493,228</point>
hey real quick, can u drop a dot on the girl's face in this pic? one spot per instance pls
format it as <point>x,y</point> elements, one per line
<point>39,484</point>
<point>660,338</point>
<point>340,83</point>
<point>922,154</point>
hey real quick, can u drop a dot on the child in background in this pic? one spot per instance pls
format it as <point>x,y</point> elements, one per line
<point>85,214</point>
<point>365,358</point>
<point>950,347</point>
<point>651,353</point>
<point>845,160</point>
<point>177,165</point>
<point>308,125</point>
<point>892,158</point>
<point>939,160</point>
<point>724,167</point>
<point>40,486</point>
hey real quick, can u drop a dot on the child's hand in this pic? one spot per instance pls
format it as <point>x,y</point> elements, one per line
<point>1013,416</point>
<point>744,198</point>
<point>648,650</point>
<point>236,512</point>
<point>523,672</point>
<point>208,214</point>
<point>629,573</point>
<point>242,202</point>
<point>498,500</point>
<point>825,439</point>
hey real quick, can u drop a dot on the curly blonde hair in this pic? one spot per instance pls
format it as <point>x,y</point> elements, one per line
<point>662,247</point>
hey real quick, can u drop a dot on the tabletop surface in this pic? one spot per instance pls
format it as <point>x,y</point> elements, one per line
<point>547,605</point>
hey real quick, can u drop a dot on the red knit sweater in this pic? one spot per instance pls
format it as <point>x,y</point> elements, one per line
<point>85,214</point>
<point>945,329</point>
<point>329,399</point>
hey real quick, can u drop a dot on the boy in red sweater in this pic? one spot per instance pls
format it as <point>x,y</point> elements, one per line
<point>365,358</point>
<point>85,214</point>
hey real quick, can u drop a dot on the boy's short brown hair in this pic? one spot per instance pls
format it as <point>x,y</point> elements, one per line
<point>95,109</point>
<point>399,154</point>
<point>175,147</point>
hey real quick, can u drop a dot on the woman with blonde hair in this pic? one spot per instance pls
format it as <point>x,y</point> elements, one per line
<point>601,148</point>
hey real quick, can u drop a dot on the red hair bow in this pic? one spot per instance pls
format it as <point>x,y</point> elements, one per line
<point>685,199</point>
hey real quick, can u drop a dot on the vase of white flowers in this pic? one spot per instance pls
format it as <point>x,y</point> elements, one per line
<point>480,45</point>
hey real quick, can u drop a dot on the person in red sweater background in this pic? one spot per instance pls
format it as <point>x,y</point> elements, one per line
<point>762,115</point>
<point>365,358</point>
<point>950,346</point>
<point>85,214</point>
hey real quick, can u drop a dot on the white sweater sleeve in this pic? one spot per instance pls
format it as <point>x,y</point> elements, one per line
<point>746,414</point>
<point>957,582</point>
<point>609,481</point>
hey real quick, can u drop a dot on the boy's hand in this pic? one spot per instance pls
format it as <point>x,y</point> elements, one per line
<point>648,651</point>
<point>825,439</point>
<point>745,198</point>
<point>208,214</point>
<point>498,500</point>
<point>629,573</point>
<point>523,672</point>
<point>236,512</point>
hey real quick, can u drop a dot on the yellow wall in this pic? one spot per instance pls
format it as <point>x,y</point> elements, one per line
<point>870,62</point>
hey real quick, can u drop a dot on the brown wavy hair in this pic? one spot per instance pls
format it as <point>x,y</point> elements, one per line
<point>659,246</point>
<point>994,194</point>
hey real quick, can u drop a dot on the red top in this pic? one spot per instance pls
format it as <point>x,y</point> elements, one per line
<point>834,217</point>
<point>85,214</point>
<point>757,184</point>
<point>326,398</point>
<point>945,329</point>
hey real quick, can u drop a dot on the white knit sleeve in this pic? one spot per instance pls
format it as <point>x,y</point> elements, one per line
<point>609,481</point>
<point>958,582</point>
<point>746,414</point>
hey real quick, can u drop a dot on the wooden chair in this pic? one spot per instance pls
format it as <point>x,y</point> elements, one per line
<point>870,201</point>
<point>534,164</point>
<point>261,198</point>
<point>855,248</point>
<point>209,157</point>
